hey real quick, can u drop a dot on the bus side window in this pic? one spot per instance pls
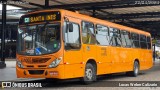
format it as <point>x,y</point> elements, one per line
<point>148,42</point>
<point>124,43</point>
<point>115,37</point>
<point>143,41</point>
<point>102,35</point>
<point>72,39</point>
<point>135,38</point>
<point>88,34</point>
<point>127,37</point>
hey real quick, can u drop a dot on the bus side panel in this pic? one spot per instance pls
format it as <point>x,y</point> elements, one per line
<point>89,52</point>
<point>74,70</point>
<point>126,59</point>
<point>148,59</point>
<point>142,59</point>
<point>103,59</point>
<point>73,64</point>
<point>117,65</point>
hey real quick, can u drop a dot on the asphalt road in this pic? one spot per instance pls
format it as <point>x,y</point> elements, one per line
<point>105,82</point>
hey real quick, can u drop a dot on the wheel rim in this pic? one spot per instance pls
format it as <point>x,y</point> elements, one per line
<point>136,68</point>
<point>89,74</point>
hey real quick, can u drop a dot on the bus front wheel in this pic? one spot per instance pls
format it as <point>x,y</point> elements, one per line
<point>135,71</point>
<point>90,74</point>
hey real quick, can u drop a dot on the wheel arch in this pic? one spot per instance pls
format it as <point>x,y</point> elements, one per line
<point>93,62</point>
<point>137,61</point>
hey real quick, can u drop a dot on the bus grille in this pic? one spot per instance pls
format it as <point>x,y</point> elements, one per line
<point>34,72</point>
<point>36,60</point>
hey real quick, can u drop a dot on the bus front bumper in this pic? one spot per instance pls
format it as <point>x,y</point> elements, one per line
<point>57,72</point>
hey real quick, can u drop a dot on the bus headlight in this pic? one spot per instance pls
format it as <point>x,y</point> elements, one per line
<point>19,64</point>
<point>55,63</point>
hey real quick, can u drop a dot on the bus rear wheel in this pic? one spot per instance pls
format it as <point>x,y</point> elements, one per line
<point>135,71</point>
<point>90,74</point>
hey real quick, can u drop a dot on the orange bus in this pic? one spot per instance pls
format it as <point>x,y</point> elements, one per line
<point>62,44</point>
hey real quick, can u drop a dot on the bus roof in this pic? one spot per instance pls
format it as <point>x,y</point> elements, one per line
<point>94,20</point>
<point>104,22</point>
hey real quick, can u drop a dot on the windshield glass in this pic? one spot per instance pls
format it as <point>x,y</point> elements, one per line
<point>38,39</point>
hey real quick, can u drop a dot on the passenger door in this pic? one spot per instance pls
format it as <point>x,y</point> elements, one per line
<point>73,49</point>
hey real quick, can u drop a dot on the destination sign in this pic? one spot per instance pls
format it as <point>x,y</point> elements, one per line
<point>40,17</point>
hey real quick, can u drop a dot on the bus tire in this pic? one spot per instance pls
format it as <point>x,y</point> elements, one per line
<point>135,71</point>
<point>90,74</point>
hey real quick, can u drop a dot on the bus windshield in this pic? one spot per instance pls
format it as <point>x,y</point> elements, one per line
<point>38,39</point>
